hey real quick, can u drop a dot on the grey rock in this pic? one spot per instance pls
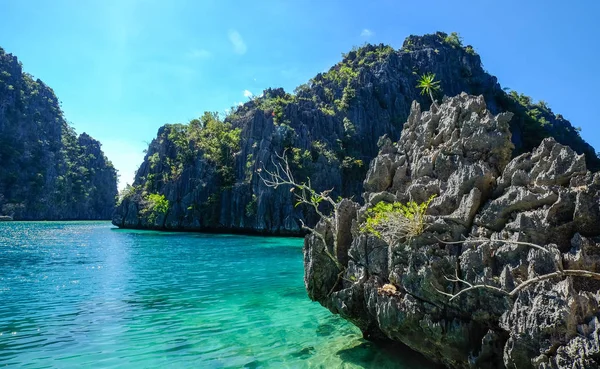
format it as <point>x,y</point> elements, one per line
<point>461,153</point>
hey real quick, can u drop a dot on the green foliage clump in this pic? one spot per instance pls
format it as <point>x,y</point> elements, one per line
<point>327,110</point>
<point>349,128</point>
<point>350,162</point>
<point>207,137</point>
<point>394,222</point>
<point>536,121</point>
<point>250,162</point>
<point>320,148</point>
<point>453,39</point>
<point>275,103</point>
<point>251,206</point>
<point>219,141</point>
<point>341,74</point>
<point>368,54</point>
<point>155,205</point>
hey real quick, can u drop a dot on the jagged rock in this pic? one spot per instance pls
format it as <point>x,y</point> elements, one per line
<point>461,153</point>
<point>47,172</point>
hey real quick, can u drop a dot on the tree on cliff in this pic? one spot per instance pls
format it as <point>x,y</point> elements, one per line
<point>428,84</point>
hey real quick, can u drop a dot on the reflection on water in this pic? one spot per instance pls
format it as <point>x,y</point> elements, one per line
<point>83,294</point>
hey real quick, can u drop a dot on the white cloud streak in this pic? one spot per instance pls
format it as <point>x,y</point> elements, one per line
<point>239,47</point>
<point>367,33</point>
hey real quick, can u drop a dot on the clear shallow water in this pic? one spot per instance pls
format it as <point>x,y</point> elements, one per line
<point>83,294</point>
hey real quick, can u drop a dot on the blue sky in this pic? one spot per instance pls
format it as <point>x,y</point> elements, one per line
<point>122,68</point>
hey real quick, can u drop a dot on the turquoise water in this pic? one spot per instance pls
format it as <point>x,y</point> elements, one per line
<point>83,294</point>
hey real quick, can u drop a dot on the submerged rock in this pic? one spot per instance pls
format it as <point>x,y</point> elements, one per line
<point>461,152</point>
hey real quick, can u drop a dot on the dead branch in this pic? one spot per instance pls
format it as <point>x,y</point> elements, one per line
<point>281,175</point>
<point>502,241</point>
<point>513,293</point>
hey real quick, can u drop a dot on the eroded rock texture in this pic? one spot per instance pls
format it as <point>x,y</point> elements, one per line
<point>462,153</point>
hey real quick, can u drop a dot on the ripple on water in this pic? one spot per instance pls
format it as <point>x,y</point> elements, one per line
<point>82,294</point>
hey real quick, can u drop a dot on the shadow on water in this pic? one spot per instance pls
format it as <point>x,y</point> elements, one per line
<point>385,356</point>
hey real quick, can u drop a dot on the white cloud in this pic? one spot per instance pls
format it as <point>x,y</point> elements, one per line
<point>239,47</point>
<point>367,33</point>
<point>199,54</point>
<point>248,94</point>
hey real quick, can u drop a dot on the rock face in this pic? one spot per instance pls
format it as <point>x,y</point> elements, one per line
<point>47,172</point>
<point>462,154</point>
<point>330,129</point>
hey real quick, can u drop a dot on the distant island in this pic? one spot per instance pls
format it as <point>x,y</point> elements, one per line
<point>48,172</point>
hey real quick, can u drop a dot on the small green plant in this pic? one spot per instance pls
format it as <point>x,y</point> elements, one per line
<point>156,204</point>
<point>454,39</point>
<point>252,206</point>
<point>395,222</point>
<point>428,84</point>
<point>327,110</point>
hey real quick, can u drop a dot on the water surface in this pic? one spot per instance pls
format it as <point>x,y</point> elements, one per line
<point>83,294</point>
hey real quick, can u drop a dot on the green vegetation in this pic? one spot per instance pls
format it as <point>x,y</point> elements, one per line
<point>394,222</point>
<point>218,141</point>
<point>339,83</point>
<point>453,39</point>
<point>533,119</point>
<point>48,171</point>
<point>319,148</point>
<point>536,121</point>
<point>176,149</point>
<point>275,101</point>
<point>156,205</point>
<point>252,206</point>
<point>428,84</point>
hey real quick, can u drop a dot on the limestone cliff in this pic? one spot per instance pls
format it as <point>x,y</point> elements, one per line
<point>47,172</point>
<point>461,152</point>
<point>329,129</point>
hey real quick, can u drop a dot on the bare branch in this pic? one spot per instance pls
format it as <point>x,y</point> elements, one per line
<point>560,273</point>
<point>490,240</point>
<point>521,286</point>
<point>472,287</point>
<point>282,175</point>
<point>339,276</point>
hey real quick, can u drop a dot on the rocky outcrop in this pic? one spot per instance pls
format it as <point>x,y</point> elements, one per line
<point>47,172</point>
<point>330,128</point>
<point>461,152</point>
